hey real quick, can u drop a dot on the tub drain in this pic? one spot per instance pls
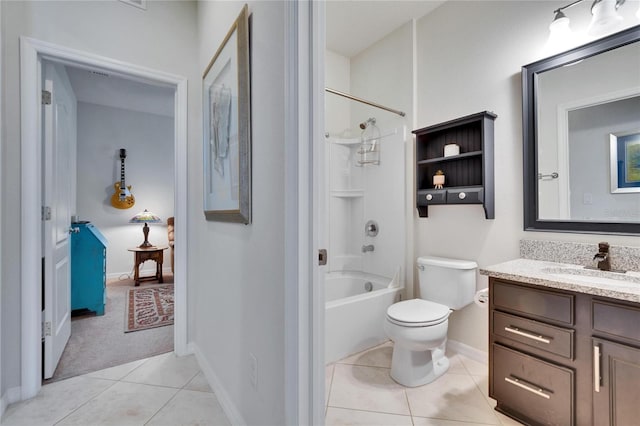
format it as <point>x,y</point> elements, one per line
<point>368,286</point>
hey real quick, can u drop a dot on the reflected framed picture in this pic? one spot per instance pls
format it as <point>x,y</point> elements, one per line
<point>226,110</point>
<point>625,162</point>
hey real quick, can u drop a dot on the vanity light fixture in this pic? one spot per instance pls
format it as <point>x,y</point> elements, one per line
<point>605,20</point>
<point>605,17</point>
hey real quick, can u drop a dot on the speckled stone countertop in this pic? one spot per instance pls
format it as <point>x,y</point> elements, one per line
<point>565,276</point>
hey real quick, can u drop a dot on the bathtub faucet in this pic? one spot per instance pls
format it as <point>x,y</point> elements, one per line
<point>370,247</point>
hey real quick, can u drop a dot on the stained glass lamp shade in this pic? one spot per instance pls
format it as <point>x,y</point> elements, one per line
<point>145,217</point>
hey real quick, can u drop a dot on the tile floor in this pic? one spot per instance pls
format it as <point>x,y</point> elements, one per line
<point>161,391</point>
<point>360,391</point>
<point>167,391</point>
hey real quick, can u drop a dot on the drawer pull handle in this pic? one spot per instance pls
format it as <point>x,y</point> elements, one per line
<point>536,337</point>
<point>596,368</point>
<point>521,384</point>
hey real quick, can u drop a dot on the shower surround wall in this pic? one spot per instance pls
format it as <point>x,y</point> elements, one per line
<point>359,193</point>
<point>360,285</point>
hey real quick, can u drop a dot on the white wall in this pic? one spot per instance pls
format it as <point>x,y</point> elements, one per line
<point>237,271</point>
<point>383,73</point>
<point>589,130</point>
<point>161,38</point>
<point>336,108</point>
<point>148,139</point>
<point>470,56</point>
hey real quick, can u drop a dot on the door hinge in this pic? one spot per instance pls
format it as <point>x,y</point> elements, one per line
<point>322,257</point>
<point>46,213</point>
<point>46,97</point>
<point>46,329</point>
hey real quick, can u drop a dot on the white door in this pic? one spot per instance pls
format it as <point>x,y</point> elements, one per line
<point>59,142</point>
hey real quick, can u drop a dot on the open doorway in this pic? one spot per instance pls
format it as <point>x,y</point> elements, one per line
<point>33,53</point>
<point>99,123</point>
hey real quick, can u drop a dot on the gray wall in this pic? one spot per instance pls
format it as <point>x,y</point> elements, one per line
<point>148,139</point>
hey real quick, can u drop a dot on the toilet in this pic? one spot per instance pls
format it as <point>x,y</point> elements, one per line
<point>418,327</point>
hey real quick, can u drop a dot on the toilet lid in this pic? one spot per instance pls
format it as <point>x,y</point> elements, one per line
<point>417,312</point>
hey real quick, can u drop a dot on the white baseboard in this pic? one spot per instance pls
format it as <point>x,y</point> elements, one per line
<point>468,351</point>
<point>143,271</point>
<point>230,409</point>
<point>10,396</point>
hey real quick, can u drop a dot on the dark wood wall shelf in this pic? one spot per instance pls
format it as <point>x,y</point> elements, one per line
<point>469,175</point>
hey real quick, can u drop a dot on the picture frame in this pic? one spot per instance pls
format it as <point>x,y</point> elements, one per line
<point>625,162</point>
<point>227,127</point>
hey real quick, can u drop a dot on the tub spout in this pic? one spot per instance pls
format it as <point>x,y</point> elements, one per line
<point>370,247</point>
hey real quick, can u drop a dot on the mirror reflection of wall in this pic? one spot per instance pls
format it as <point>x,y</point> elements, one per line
<point>578,107</point>
<point>589,166</point>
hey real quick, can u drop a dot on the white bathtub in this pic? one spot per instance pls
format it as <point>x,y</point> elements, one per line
<point>354,316</point>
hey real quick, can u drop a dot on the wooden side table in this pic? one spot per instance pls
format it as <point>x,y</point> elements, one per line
<point>141,255</point>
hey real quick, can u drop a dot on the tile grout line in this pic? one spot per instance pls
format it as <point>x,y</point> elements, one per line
<point>115,382</point>
<point>370,411</point>
<point>326,408</point>
<point>163,405</point>
<point>178,390</point>
<point>406,396</point>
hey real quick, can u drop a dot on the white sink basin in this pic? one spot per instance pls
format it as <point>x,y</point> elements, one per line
<point>591,276</point>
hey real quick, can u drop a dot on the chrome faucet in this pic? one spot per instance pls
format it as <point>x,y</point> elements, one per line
<point>370,247</point>
<point>603,258</point>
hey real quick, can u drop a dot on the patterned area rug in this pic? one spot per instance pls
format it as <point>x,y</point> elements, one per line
<point>149,307</point>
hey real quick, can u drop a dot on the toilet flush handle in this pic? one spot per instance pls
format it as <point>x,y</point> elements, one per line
<point>421,267</point>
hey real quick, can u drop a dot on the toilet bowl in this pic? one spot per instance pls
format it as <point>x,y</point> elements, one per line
<point>418,327</point>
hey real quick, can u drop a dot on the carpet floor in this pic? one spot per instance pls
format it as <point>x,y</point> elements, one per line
<point>99,342</point>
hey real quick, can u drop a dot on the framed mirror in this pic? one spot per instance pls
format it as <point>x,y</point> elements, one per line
<point>581,133</point>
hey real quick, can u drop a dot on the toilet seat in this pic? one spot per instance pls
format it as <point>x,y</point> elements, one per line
<point>417,313</point>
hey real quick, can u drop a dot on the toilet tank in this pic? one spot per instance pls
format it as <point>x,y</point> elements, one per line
<point>450,282</point>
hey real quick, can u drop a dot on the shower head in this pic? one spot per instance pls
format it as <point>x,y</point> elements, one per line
<point>366,124</point>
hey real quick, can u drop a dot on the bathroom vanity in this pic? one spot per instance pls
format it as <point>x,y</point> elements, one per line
<point>564,343</point>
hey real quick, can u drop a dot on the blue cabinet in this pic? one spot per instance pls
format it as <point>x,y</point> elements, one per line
<point>88,268</point>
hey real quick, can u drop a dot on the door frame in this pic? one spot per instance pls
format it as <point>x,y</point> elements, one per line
<point>31,50</point>
<point>304,186</point>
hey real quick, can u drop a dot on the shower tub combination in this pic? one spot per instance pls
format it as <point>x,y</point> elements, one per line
<point>356,305</point>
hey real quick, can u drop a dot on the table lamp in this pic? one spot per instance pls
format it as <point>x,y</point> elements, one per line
<point>145,217</point>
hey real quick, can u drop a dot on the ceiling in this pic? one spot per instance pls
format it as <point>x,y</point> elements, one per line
<point>354,25</point>
<point>118,92</point>
<point>351,27</point>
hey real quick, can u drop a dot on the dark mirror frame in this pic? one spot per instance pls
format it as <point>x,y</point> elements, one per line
<point>529,129</point>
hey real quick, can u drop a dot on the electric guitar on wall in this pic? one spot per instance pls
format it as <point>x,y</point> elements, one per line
<point>122,197</point>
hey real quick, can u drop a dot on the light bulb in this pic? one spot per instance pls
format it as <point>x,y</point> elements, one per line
<point>605,17</point>
<point>560,35</point>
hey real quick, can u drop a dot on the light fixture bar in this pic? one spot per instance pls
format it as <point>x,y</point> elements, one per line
<point>567,6</point>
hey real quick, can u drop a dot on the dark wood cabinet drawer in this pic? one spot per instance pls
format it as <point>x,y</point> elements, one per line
<point>537,391</point>
<point>539,304</point>
<point>616,320</point>
<point>470,195</point>
<point>541,336</point>
<point>431,196</point>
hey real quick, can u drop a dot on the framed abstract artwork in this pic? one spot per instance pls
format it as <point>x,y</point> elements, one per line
<point>227,127</point>
<point>625,162</point>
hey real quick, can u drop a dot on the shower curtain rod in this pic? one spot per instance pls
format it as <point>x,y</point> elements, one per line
<point>373,104</point>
